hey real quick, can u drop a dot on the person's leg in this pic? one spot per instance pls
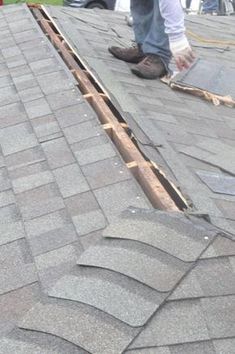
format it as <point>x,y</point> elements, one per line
<point>210,6</point>
<point>188,4</point>
<point>157,42</point>
<point>142,13</point>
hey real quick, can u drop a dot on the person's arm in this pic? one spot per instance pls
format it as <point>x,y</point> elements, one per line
<point>173,15</point>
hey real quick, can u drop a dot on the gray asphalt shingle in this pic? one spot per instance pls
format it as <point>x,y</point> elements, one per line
<point>114,294</point>
<point>161,271</point>
<point>77,324</point>
<point>167,276</point>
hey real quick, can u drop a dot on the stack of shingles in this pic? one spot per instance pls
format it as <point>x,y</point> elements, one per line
<point>147,283</point>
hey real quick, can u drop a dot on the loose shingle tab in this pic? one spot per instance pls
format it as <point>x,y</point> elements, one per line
<point>218,183</point>
<point>80,325</point>
<point>179,244</point>
<point>119,296</point>
<point>160,272</point>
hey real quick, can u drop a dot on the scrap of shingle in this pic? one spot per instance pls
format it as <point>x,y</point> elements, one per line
<point>160,272</point>
<point>221,246</point>
<point>80,325</point>
<point>117,295</point>
<point>212,277</point>
<point>176,323</point>
<point>17,138</point>
<point>15,256</point>
<point>182,244</point>
<point>218,183</point>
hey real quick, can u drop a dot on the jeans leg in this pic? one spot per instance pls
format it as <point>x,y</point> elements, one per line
<point>156,41</point>
<point>188,4</point>
<point>210,5</point>
<point>142,13</point>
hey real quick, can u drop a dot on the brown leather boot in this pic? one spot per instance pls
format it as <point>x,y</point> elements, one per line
<point>130,55</point>
<point>151,67</point>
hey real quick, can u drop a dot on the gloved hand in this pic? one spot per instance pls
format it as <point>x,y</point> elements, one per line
<point>183,54</point>
<point>184,58</point>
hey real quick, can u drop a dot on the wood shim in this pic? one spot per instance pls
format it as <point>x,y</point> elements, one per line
<point>208,96</point>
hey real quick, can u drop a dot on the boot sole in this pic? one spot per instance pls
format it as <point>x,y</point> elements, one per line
<point>142,76</point>
<point>133,61</point>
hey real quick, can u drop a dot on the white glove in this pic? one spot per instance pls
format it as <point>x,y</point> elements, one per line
<point>182,52</point>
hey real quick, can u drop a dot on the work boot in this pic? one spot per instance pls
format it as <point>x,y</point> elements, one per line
<point>131,55</point>
<point>151,67</point>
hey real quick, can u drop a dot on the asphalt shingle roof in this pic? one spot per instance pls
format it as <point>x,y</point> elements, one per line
<point>181,133</point>
<point>87,265</point>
